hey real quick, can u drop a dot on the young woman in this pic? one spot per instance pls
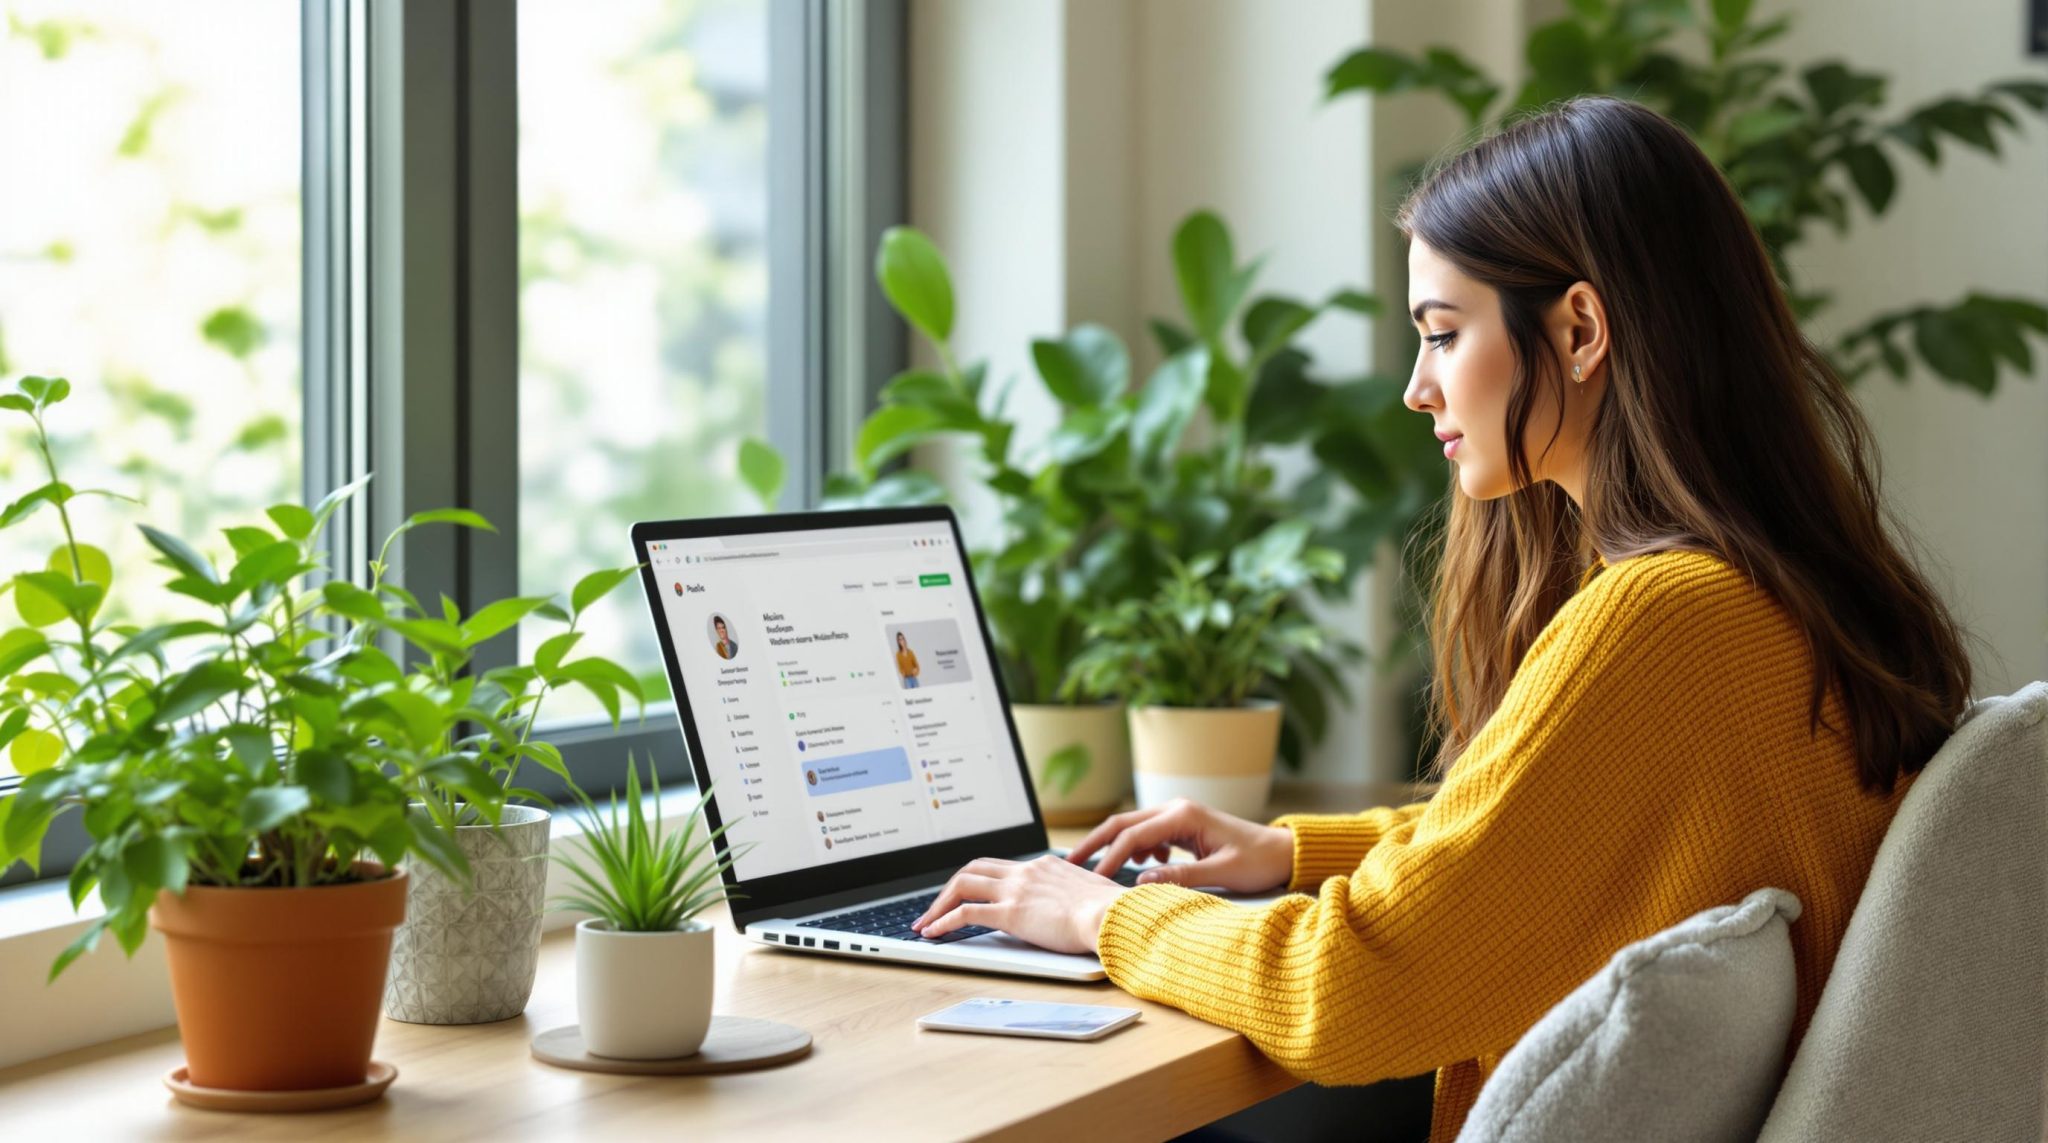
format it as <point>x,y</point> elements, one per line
<point>1679,654</point>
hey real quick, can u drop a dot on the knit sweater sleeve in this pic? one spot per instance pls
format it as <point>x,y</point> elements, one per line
<point>1475,913</point>
<point>1326,845</point>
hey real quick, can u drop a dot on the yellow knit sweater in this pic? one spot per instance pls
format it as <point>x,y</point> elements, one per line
<point>1650,759</point>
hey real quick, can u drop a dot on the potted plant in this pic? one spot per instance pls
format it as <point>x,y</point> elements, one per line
<point>1200,662</point>
<point>247,777</point>
<point>644,963</point>
<point>470,945</point>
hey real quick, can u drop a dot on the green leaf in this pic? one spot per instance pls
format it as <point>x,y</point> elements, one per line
<point>34,751</point>
<point>2033,93</point>
<point>1170,337</point>
<point>45,391</point>
<point>1762,124</point>
<point>1067,766</point>
<point>199,688</point>
<point>325,774</point>
<point>1086,432</point>
<point>179,555</point>
<point>761,468</point>
<point>1086,368</point>
<point>461,517</point>
<point>1834,87</point>
<point>274,563</point>
<point>913,276</point>
<point>19,647</point>
<point>1730,15</point>
<point>892,431</point>
<point>267,807</point>
<point>1205,268</point>
<point>550,653</point>
<point>233,329</point>
<point>596,586</point>
<point>500,616</point>
<point>1168,403</point>
<point>350,601</point>
<point>54,493</point>
<point>1950,350</point>
<point>1357,302</point>
<point>157,861</point>
<point>1369,69</point>
<point>47,597</point>
<point>291,519</point>
<point>1873,175</point>
<point>1270,322</point>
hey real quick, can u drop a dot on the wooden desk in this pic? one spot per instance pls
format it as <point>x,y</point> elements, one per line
<point>871,1073</point>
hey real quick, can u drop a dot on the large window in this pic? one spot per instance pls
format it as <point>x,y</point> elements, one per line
<point>548,260</point>
<point>643,286</point>
<point>149,252</point>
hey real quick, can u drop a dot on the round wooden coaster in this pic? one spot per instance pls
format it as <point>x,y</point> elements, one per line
<point>734,1044</point>
<point>317,1099</point>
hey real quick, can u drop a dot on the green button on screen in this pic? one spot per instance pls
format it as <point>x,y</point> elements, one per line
<point>939,580</point>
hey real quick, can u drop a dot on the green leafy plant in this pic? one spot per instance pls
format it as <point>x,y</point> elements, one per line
<point>1217,632</point>
<point>1793,151</point>
<point>270,740</point>
<point>1135,480</point>
<point>634,875</point>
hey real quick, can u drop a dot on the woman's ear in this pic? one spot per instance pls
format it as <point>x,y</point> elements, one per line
<point>1578,329</point>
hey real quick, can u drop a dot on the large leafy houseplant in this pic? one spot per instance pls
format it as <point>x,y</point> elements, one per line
<point>1793,150</point>
<point>1134,481</point>
<point>270,740</point>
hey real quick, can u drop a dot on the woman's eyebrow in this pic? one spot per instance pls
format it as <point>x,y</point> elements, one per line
<point>1423,307</point>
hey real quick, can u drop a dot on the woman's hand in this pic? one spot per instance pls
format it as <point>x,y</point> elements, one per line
<point>1231,853</point>
<point>1051,903</point>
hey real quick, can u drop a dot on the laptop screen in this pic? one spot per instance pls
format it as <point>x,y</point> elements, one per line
<point>841,690</point>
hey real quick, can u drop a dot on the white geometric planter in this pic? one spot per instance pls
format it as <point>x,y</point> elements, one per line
<point>467,957</point>
<point>644,996</point>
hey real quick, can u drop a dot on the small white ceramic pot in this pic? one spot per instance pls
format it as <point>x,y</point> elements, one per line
<point>643,996</point>
<point>1220,758</point>
<point>1047,729</point>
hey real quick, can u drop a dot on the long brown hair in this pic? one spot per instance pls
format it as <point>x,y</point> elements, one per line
<point>1722,430</point>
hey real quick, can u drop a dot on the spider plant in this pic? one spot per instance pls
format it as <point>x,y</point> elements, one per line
<point>638,876</point>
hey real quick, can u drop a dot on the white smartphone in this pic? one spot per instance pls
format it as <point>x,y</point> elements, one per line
<point>1029,1018</point>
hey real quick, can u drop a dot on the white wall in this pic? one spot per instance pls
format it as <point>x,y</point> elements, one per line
<point>1969,475</point>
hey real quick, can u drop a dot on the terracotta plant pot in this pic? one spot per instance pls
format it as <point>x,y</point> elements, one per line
<point>1220,758</point>
<point>278,989</point>
<point>1047,729</point>
<point>644,996</point>
<point>467,951</point>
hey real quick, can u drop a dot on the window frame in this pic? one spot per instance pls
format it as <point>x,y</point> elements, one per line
<point>410,216</point>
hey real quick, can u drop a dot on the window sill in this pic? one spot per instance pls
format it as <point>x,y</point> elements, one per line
<point>104,996</point>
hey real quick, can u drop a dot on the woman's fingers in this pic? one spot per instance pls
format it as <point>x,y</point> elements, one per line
<point>1111,826</point>
<point>977,881</point>
<point>988,915</point>
<point>1154,833</point>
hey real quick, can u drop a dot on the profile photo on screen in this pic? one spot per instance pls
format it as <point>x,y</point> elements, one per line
<point>722,641</point>
<point>906,662</point>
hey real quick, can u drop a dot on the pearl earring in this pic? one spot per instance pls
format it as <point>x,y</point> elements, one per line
<point>1578,374</point>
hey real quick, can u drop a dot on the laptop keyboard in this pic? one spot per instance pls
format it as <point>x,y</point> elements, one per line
<point>891,919</point>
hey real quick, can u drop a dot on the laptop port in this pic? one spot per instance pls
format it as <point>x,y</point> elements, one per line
<point>810,942</point>
<point>832,944</point>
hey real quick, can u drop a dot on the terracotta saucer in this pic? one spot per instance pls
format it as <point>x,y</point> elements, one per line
<point>315,1099</point>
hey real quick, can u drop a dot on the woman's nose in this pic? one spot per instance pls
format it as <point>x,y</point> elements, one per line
<point>1413,396</point>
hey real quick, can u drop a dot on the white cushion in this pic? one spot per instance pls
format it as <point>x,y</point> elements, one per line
<point>1680,1037</point>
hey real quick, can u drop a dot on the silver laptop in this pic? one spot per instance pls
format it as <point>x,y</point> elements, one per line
<point>835,678</point>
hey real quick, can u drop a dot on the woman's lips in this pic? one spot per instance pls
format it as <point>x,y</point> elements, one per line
<point>1451,446</point>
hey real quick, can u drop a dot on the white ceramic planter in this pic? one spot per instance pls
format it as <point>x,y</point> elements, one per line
<point>643,996</point>
<point>468,957</point>
<point>1045,730</point>
<point>1220,758</point>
